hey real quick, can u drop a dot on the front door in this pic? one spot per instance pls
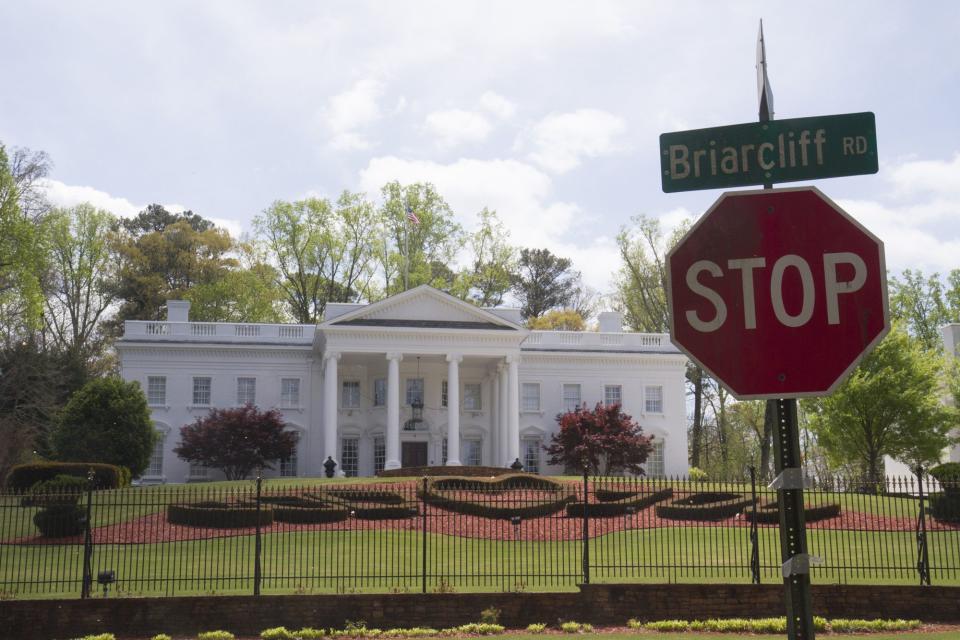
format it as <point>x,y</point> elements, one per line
<point>413,454</point>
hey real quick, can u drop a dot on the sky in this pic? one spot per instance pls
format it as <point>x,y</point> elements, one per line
<point>547,112</point>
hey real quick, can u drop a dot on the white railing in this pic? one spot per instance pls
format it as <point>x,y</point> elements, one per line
<point>593,341</point>
<point>218,332</point>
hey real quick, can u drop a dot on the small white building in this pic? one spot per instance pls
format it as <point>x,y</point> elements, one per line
<point>420,378</point>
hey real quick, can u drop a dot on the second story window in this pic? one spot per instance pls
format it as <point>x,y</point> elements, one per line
<point>472,397</point>
<point>380,392</point>
<point>290,393</point>
<point>414,391</point>
<point>444,399</point>
<point>201,391</point>
<point>653,398</point>
<point>157,391</point>
<point>571,397</point>
<point>530,396</point>
<point>612,394</point>
<point>350,395</point>
<point>246,391</point>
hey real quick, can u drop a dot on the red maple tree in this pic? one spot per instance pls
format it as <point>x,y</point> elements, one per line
<point>237,440</point>
<point>605,437</point>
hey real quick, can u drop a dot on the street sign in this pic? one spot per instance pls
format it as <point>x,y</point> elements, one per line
<point>769,152</point>
<point>777,293</point>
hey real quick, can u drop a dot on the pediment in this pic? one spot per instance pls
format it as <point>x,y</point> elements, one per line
<point>423,307</point>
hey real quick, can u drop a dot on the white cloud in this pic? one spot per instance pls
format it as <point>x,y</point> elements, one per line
<point>347,114</point>
<point>497,105</point>
<point>561,140</point>
<point>456,126</point>
<point>931,176</point>
<point>65,195</point>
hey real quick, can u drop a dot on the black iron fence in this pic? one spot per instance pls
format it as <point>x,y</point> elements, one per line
<point>442,534</point>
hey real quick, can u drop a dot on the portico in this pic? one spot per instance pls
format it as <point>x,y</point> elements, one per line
<point>435,370</point>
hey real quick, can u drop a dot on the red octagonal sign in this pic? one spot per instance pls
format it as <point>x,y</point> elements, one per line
<point>777,293</point>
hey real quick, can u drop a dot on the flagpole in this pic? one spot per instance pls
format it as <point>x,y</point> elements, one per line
<point>406,250</point>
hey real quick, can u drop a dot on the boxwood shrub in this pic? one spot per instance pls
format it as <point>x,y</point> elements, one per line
<point>945,506</point>
<point>456,494</point>
<point>218,515</point>
<point>619,507</point>
<point>769,512</point>
<point>709,505</point>
<point>373,505</point>
<point>105,476</point>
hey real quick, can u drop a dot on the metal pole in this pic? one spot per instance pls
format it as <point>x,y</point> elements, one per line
<point>754,538</point>
<point>257,541</point>
<point>793,531</point>
<point>923,560</point>
<point>586,529</point>
<point>423,533</point>
<point>87,540</point>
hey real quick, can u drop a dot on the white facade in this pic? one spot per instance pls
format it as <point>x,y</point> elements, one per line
<point>350,386</point>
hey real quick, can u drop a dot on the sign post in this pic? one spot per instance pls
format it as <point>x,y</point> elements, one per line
<point>778,293</point>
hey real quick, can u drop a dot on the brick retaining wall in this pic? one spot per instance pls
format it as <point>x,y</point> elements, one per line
<point>597,604</point>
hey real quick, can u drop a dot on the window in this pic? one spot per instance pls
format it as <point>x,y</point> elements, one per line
<point>414,391</point>
<point>472,397</point>
<point>531,454</point>
<point>290,393</point>
<point>444,398</point>
<point>379,453</point>
<point>155,468</point>
<point>612,394</point>
<point>350,394</point>
<point>653,399</point>
<point>531,396</point>
<point>156,391</point>
<point>571,397</point>
<point>443,452</point>
<point>201,391</point>
<point>288,465</point>
<point>198,471</point>
<point>380,392</point>
<point>472,453</point>
<point>350,457</point>
<point>246,391</point>
<point>654,466</point>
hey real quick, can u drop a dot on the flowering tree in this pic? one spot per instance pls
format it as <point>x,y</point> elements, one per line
<point>236,441</point>
<point>605,436</point>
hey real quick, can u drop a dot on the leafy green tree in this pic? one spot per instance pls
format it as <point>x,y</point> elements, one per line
<point>155,218</point>
<point>106,421</point>
<point>322,252</point>
<point>157,266</point>
<point>544,281</point>
<point>891,405</point>
<point>23,253</point>
<point>83,275</point>
<point>237,441</point>
<point>558,320</point>
<point>412,254</point>
<point>246,293</point>
<point>493,261</point>
<point>925,305</point>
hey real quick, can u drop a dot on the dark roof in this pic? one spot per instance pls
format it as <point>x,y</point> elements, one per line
<point>423,324</point>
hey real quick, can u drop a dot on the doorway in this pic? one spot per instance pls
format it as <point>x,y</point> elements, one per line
<point>413,454</point>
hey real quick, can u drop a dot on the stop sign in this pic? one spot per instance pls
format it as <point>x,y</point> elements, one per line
<point>777,293</point>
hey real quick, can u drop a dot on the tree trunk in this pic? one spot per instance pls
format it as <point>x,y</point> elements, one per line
<point>697,431</point>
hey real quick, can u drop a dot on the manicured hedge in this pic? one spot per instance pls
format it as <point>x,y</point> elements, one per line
<point>769,512</point>
<point>613,495</point>
<point>61,520</point>
<point>218,515</point>
<point>637,501</point>
<point>302,510</point>
<point>710,505</point>
<point>455,494</point>
<point>105,476</point>
<point>62,490</point>
<point>372,505</point>
<point>420,472</point>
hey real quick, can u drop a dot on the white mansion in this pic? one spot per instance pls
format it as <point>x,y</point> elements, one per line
<point>420,378</point>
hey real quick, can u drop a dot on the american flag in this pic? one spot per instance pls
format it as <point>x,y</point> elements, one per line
<point>411,216</point>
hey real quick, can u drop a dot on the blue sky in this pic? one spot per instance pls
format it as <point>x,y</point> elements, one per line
<point>548,112</point>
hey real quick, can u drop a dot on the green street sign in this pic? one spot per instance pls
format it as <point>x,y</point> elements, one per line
<point>769,152</point>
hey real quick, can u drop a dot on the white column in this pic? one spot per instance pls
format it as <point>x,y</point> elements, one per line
<point>453,410</point>
<point>503,410</point>
<point>513,384</point>
<point>330,409</point>
<point>393,411</point>
<point>495,437</point>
